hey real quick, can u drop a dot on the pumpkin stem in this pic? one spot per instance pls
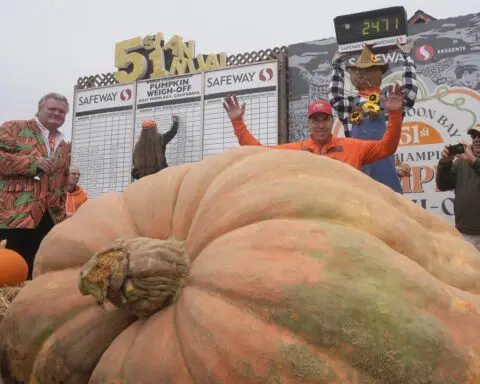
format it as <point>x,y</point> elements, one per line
<point>140,275</point>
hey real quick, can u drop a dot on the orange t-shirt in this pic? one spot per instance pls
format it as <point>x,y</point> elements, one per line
<point>355,152</point>
<point>75,199</point>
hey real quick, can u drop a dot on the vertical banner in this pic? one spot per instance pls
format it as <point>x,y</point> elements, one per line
<point>447,56</point>
<point>162,98</point>
<point>102,137</point>
<point>255,85</point>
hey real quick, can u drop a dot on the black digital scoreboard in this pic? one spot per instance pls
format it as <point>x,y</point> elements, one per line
<point>381,27</point>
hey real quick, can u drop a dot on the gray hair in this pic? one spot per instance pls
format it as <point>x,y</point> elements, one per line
<point>54,96</point>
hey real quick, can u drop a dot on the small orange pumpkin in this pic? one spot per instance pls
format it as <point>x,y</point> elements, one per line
<point>13,268</point>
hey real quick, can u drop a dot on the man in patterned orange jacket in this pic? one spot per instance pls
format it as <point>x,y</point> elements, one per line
<point>34,162</point>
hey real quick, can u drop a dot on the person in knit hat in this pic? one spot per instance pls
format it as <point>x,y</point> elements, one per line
<point>363,115</point>
<point>149,152</point>
<point>76,196</point>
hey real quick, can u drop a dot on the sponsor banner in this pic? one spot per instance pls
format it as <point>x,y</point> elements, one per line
<point>225,81</point>
<point>447,57</point>
<point>438,118</point>
<point>173,88</point>
<point>383,42</point>
<point>108,99</point>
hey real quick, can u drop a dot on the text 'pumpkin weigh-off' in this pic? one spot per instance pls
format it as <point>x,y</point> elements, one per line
<point>252,266</point>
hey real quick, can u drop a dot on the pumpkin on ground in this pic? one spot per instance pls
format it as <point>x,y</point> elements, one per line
<point>252,266</point>
<point>13,267</point>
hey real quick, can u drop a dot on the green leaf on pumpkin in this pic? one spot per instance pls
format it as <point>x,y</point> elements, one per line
<point>26,132</point>
<point>24,198</point>
<point>19,215</point>
<point>22,147</point>
<point>40,138</point>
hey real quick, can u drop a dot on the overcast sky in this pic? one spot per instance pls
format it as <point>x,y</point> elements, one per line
<point>47,44</point>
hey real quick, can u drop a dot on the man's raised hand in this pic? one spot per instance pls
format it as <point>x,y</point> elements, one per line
<point>338,57</point>
<point>394,100</point>
<point>234,110</point>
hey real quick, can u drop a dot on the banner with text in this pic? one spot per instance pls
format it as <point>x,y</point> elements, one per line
<point>172,88</point>
<point>447,56</point>
<point>108,99</point>
<point>108,121</point>
<point>241,80</point>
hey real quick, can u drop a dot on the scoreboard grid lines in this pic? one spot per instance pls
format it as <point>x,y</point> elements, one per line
<point>100,139</point>
<point>105,135</point>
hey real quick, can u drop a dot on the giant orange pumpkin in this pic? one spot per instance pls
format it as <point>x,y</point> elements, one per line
<point>253,266</point>
<point>13,267</point>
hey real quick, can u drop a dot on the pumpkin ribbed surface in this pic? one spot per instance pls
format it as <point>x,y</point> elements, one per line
<point>252,266</point>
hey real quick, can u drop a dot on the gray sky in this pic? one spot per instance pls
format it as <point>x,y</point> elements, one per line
<point>48,44</point>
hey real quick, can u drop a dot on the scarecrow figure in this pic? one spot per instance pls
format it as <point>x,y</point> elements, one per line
<point>363,115</point>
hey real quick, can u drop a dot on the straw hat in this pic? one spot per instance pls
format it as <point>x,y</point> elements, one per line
<point>367,60</point>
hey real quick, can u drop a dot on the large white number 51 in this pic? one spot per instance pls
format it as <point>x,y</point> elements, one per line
<point>123,58</point>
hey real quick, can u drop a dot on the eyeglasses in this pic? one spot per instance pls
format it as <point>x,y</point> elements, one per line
<point>474,135</point>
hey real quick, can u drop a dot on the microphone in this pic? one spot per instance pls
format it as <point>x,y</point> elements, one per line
<point>39,171</point>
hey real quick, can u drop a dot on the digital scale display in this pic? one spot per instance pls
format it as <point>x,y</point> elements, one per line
<point>382,27</point>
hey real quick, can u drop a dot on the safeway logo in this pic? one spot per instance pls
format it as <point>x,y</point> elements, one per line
<point>126,94</point>
<point>424,53</point>
<point>266,74</point>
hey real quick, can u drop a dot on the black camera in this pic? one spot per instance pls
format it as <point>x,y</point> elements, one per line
<point>456,149</point>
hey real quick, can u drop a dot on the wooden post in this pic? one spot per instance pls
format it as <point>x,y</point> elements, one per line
<point>282,97</point>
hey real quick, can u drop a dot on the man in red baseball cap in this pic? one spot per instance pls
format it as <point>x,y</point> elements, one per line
<point>321,142</point>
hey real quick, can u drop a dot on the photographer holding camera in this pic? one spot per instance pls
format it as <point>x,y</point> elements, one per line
<point>459,170</point>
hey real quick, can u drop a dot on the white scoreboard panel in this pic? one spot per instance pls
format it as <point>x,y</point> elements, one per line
<point>159,100</point>
<point>256,85</point>
<point>102,137</point>
<point>107,121</point>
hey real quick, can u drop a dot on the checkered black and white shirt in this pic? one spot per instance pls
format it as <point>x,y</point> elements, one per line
<point>343,106</point>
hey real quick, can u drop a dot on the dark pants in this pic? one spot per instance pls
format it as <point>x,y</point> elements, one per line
<point>27,241</point>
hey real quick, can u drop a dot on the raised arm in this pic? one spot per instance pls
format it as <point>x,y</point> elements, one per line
<point>11,162</point>
<point>446,177</point>
<point>470,157</point>
<point>235,112</point>
<point>169,135</point>
<point>374,151</point>
<point>409,76</point>
<point>336,94</point>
